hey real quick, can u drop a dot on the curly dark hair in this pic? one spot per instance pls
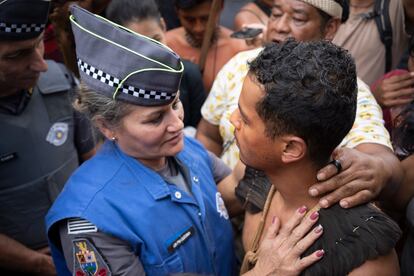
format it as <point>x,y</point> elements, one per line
<point>310,91</point>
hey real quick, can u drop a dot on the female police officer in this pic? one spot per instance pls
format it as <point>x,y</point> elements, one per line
<point>147,202</point>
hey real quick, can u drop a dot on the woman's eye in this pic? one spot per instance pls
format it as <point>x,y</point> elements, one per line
<point>156,120</point>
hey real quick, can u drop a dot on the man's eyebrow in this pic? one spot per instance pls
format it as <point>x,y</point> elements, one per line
<point>27,47</point>
<point>299,10</point>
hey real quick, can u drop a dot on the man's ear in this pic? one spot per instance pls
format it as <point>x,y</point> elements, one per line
<point>331,28</point>
<point>294,149</point>
<point>163,25</point>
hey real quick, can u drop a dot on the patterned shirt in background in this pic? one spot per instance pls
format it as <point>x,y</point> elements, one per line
<point>224,96</point>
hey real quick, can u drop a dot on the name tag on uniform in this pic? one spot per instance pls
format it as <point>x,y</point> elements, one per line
<point>7,157</point>
<point>178,239</point>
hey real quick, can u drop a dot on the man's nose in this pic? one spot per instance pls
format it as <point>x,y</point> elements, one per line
<point>37,62</point>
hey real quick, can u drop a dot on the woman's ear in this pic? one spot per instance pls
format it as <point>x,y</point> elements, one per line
<point>294,149</point>
<point>104,129</point>
<point>331,28</point>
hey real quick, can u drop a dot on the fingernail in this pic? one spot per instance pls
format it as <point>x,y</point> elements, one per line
<point>344,204</point>
<point>314,215</point>
<point>320,253</point>
<point>318,229</point>
<point>313,192</point>
<point>320,176</point>
<point>323,203</point>
<point>302,209</point>
<point>273,219</point>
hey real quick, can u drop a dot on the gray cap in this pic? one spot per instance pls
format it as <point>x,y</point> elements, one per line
<point>22,19</point>
<point>119,63</point>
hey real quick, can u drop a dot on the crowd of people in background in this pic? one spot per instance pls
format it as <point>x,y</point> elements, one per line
<point>207,137</point>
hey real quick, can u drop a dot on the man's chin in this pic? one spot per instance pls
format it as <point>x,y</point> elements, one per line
<point>8,89</point>
<point>194,41</point>
<point>243,160</point>
<point>28,83</point>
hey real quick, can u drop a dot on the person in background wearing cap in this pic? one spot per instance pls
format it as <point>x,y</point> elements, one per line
<point>42,140</point>
<point>147,202</point>
<point>366,164</point>
<point>143,17</point>
<point>187,40</point>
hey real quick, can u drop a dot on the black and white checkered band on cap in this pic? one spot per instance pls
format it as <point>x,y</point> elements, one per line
<point>23,19</point>
<point>112,81</point>
<point>21,28</point>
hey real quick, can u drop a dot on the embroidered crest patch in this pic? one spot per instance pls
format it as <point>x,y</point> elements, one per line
<point>58,133</point>
<point>87,260</point>
<point>221,208</point>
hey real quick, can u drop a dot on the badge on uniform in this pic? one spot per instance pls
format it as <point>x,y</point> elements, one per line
<point>221,208</point>
<point>58,134</point>
<point>7,157</point>
<point>87,260</point>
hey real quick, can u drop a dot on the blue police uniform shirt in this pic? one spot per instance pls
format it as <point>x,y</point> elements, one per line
<point>170,230</point>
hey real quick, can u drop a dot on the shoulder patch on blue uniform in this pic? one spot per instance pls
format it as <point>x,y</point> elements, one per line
<point>87,260</point>
<point>80,226</point>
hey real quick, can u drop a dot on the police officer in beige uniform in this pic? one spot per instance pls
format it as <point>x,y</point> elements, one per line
<point>43,139</point>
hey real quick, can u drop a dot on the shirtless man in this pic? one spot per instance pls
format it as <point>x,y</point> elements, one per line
<point>187,40</point>
<point>297,103</point>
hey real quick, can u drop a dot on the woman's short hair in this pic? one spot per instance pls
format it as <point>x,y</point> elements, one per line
<point>96,106</point>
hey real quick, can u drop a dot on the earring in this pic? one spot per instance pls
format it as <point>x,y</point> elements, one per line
<point>113,138</point>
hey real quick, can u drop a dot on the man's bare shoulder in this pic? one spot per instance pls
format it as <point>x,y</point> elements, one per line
<point>176,35</point>
<point>175,39</point>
